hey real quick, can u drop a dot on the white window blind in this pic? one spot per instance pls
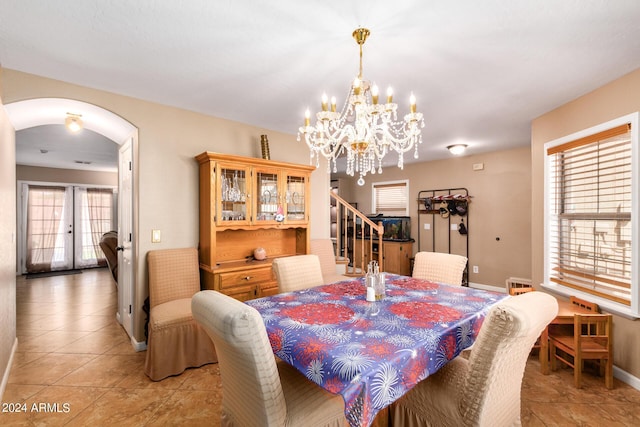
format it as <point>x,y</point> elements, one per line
<point>589,224</point>
<point>391,197</point>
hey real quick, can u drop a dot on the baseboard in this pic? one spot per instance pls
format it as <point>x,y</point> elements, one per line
<point>487,287</point>
<point>138,345</point>
<point>626,377</point>
<point>7,369</point>
<point>618,373</point>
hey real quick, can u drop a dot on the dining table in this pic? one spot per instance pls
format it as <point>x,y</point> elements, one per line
<point>372,353</point>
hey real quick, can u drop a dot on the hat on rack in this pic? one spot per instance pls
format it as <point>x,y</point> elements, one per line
<point>462,229</point>
<point>461,207</point>
<point>444,209</point>
<point>451,206</point>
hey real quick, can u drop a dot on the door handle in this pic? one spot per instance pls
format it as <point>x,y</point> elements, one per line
<point>120,248</point>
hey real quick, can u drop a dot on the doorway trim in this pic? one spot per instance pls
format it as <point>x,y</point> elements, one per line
<point>47,111</point>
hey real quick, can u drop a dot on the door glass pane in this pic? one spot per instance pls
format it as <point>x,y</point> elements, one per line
<point>234,194</point>
<point>267,205</point>
<point>48,245</point>
<point>295,198</point>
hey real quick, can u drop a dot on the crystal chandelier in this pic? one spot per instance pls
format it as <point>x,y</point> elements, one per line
<point>365,129</point>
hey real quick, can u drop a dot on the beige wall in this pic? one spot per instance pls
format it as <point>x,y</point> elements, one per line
<point>613,100</point>
<point>65,176</point>
<point>500,208</point>
<point>167,174</point>
<point>7,245</point>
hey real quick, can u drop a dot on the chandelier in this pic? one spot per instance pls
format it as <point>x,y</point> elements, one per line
<point>364,129</point>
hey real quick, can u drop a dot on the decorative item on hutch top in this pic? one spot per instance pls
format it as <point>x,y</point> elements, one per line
<point>364,129</point>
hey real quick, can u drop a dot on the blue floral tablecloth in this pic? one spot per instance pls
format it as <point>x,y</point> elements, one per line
<point>373,352</point>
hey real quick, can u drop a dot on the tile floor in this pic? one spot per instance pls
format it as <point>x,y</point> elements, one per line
<point>76,364</point>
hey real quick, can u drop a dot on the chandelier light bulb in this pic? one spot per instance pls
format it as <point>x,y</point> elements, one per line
<point>412,103</point>
<point>374,94</point>
<point>324,102</point>
<point>389,95</point>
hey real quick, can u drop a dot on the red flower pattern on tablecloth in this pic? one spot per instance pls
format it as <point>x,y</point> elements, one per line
<point>349,287</point>
<point>318,313</point>
<point>276,339</point>
<point>310,349</point>
<point>415,312</point>
<point>449,345</point>
<point>412,283</point>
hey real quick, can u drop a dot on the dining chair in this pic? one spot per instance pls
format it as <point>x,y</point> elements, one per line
<point>592,339</point>
<point>439,267</point>
<point>517,282</point>
<point>257,389</point>
<point>175,340</point>
<point>485,389</point>
<point>109,245</point>
<point>519,291</point>
<point>297,272</point>
<point>591,306</point>
<point>323,248</point>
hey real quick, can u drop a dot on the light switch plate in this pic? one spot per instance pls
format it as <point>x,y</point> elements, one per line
<point>156,236</point>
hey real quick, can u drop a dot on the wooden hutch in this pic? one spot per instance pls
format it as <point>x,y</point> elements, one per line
<point>246,203</point>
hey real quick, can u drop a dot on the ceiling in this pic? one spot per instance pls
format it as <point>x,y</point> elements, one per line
<point>481,71</point>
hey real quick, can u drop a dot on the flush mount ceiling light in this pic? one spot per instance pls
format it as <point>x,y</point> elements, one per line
<point>73,122</point>
<point>364,129</point>
<point>457,149</point>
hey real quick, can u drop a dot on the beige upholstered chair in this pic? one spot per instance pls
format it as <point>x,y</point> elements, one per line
<point>484,390</point>
<point>324,249</point>
<point>439,267</point>
<point>257,390</point>
<point>109,246</point>
<point>297,272</point>
<point>175,341</point>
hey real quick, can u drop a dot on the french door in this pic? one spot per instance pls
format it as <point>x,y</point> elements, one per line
<point>63,225</point>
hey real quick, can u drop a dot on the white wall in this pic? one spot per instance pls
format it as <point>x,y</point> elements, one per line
<point>7,246</point>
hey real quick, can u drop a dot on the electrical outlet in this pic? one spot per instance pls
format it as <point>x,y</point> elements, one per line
<point>454,227</point>
<point>476,270</point>
<point>427,226</point>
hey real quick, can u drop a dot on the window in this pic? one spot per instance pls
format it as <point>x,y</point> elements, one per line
<point>590,226</point>
<point>390,198</point>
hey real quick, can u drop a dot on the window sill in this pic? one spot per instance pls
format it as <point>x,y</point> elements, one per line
<point>605,305</point>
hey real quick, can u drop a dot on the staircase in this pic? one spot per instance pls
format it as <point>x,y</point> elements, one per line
<point>356,235</point>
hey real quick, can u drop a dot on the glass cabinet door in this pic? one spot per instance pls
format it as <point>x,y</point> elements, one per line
<point>233,195</point>
<point>267,196</point>
<point>295,197</point>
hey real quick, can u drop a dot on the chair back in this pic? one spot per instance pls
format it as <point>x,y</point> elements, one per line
<point>108,244</point>
<point>439,267</point>
<point>499,356</point>
<point>323,248</point>
<point>593,333</point>
<point>297,272</point>
<point>173,274</point>
<point>519,291</point>
<point>591,306</point>
<point>252,392</point>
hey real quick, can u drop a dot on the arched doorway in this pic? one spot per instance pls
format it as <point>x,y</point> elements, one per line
<point>53,111</point>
